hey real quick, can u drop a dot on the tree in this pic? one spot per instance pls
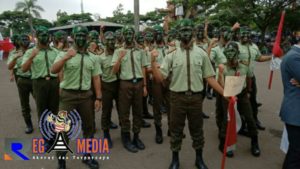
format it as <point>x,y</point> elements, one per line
<point>61,14</point>
<point>14,20</point>
<point>31,8</point>
<point>73,19</point>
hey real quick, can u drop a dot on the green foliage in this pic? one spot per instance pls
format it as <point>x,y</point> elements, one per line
<point>66,19</point>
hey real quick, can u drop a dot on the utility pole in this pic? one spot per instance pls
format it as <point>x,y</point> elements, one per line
<point>81,5</point>
<point>136,15</point>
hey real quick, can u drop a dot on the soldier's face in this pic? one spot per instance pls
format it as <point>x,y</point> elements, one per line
<point>149,37</point>
<point>25,41</point>
<point>43,38</point>
<point>140,40</point>
<point>110,43</point>
<point>81,40</point>
<point>129,35</point>
<point>232,57</point>
<point>159,36</point>
<point>200,34</point>
<point>186,34</point>
<point>245,37</point>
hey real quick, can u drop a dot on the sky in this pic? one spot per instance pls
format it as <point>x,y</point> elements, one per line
<point>102,7</point>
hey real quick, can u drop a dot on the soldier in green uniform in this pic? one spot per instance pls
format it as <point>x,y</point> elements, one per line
<point>234,68</point>
<point>119,39</point>
<point>39,61</point>
<point>131,64</point>
<point>15,40</point>
<point>24,82</point>
<point>139,39</point>
<point>249,54</point>
<point>45,84</point>
<point>160,89</point>
<point>60,41</point>
<point>109,84</point>
<point>80,69</point>
<point>190,65</point>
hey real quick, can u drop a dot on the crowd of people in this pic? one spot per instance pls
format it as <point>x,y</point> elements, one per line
<point>174,71</point>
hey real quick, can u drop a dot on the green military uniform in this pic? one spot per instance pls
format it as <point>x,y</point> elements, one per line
<point>244,106</point>
<point>45,84</point>
<point>24,84</point>
<point>76,87</point>
<point>249,53</point>
<point>109,87</point>
<point>189,67</point>
<point>131,86</point>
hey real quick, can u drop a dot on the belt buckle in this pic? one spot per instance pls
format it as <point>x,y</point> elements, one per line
<point>188,93</point>
<point>134,81</point>
<point>47,78</point>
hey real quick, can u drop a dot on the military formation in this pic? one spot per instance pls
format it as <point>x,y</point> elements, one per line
<point>174,71</point>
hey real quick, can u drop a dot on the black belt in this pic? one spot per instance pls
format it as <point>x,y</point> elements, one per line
<point>45,78</point>
<point>134,81</point>
<point>188,93</point>
<point>73,90</point>
<point>24,77</point>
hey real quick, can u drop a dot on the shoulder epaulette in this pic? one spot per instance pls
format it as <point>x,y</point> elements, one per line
<point>171,51</point>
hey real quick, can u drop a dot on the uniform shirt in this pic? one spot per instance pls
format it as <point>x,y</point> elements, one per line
<point>139,60</point>
<point>244,54</point>
<point>18,65</point>
<point>177,62</point>
<point>104,60</point>
<point>162,54</point>
<point>39,64</point>
<point>78,71</point>
<point>241,69</point>
<point>217,56</point>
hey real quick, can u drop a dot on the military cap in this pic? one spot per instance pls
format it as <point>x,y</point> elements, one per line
<point>79,29</point>
<point>186,22</point>
<point>41,29</point>
<point>127,28</point>
<point>59,34</point>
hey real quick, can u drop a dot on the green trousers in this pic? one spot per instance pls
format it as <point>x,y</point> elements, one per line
<point>25,89</point>
<point>182,107</point>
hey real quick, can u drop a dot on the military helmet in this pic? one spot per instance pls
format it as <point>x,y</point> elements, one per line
<point>79,29</point>
<point>41,29</point>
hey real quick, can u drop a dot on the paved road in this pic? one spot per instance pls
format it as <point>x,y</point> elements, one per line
<point>158,156</point>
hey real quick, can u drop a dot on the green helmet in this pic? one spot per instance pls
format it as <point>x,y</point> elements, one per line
<point>245,30</point>
<point>226,32</point>
<point>93,34</point>
<point>185,23</point>
<point>127,28</point>
<point>109,35</point>
<point>60,34</point>
<point>158,29</point>
<point>79,29</point>
<point>41,29</point>
<point>231,51</point>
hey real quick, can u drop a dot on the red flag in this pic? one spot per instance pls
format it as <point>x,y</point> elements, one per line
<point>6,46</point>
<point>231,135</point>
<point>277,51</point>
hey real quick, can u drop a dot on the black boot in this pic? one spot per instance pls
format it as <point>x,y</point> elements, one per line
<point>113,125</point>
<point>61,164</point>
<point>175,161</point>
<point>91,163</point>
<point>107,136</point>
<point>127,142</point>
<point>255,147</point>
<point>221,148</point>
<point>137,142</point>
<point>145,124</point>
<point>199,160</point>
<point>158,136</point>
<point>29,127</point>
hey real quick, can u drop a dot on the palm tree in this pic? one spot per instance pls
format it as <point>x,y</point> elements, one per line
<point>32,9</point>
